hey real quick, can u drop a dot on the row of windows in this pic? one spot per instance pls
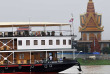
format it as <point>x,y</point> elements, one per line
<point>43,42</point>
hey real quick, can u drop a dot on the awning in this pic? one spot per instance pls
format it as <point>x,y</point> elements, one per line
<point>27,24</point>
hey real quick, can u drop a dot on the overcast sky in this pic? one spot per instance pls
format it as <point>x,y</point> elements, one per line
<point>53,11</point>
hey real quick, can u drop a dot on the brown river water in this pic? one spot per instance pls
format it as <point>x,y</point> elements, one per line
<point>94,69</point>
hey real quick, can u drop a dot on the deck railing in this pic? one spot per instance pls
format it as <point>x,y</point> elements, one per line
<point>34,33</point>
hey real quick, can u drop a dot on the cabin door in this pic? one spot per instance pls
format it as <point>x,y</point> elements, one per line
<point>32,58</point>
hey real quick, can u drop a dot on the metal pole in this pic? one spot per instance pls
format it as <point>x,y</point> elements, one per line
<point>73,55</point>
<point>70,30</point>
<point>60,27</point>
<point>13,57</point>
<point>62,54</point>
<point>30,57</point>
<point>72,26</point>
<point>45,28</point>
<point>12,30</point>
<point>13,43</point>
<point>46,55</point>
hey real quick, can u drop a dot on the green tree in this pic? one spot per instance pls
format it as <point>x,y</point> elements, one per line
<point>106,50</point>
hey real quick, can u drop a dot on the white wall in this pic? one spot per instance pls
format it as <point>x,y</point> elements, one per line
<point>46,46</point>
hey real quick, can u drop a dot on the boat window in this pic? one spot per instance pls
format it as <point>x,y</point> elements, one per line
<point>27,42</point>
<point>21,56</point>
<point>64,42</point>
<point>41,55</point>
<point>35,42</point>
<point>42,42</point>
<point>57,42</point>
<point>69,42</point>
<point>50,42</point>
<point>20,42</point>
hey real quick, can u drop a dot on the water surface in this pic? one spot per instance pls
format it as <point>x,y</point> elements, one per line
<point>94,69</point>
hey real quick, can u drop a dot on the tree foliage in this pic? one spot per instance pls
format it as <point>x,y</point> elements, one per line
<point>106,50</point>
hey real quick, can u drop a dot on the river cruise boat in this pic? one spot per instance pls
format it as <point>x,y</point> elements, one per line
<point>27,47</point>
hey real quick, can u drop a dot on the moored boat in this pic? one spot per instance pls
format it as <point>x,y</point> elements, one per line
<point>26,50</point>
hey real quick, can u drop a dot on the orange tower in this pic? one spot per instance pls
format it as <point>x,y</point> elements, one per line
<point>90,24</point>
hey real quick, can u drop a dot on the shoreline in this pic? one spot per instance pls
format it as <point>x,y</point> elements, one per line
<point>93,62</point>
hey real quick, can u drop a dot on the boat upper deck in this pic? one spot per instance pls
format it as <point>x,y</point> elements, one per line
<point>24,29</point>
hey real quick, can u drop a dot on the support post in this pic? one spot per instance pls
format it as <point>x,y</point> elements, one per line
<point>46,55</point>
<point>45,28</point>
<point>13,57</point>
<point>62,54</point>
<point>30,57</point>
<point>73,55</point>
<point>13,43</point>
<point>12,30</point>
<point>60,29</point>
<point>70,30</point>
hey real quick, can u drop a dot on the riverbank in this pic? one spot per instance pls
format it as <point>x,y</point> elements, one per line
<point>93,62</point>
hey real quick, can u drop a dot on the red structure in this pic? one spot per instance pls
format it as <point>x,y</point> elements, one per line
<point>95,46</point>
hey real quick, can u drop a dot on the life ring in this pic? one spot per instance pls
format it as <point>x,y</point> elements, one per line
<point>19,66</point>
<point>50,65</point>
<point>6,67</point>
<point>45,66</point>
<point>32,66</point>
<point>2,71</point>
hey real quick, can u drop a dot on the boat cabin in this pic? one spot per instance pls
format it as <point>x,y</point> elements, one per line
<point>23,45</point>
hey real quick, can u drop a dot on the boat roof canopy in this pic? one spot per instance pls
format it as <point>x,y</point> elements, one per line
<point>26,24</point>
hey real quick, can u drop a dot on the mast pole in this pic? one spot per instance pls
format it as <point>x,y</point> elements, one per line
<point>72,25</point>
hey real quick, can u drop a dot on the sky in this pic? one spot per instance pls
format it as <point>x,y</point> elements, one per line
<point>53,11</point>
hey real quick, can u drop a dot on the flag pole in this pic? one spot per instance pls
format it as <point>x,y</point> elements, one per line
<point>72,25</point>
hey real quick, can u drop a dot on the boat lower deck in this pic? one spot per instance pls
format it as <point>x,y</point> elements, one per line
<point>53,66</point>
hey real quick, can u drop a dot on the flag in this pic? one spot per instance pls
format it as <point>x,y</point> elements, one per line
<point>71,20</point>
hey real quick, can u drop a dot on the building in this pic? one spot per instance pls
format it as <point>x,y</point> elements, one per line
<point>91,28</point>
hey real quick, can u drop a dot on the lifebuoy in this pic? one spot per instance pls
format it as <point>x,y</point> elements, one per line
<point>50,65</point>
<point>19,66</point>
<point>45,66</point>
<point>6,67</point>
<point>32,66</point>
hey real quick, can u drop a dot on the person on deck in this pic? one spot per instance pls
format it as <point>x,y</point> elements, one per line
<point>50,58</point>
